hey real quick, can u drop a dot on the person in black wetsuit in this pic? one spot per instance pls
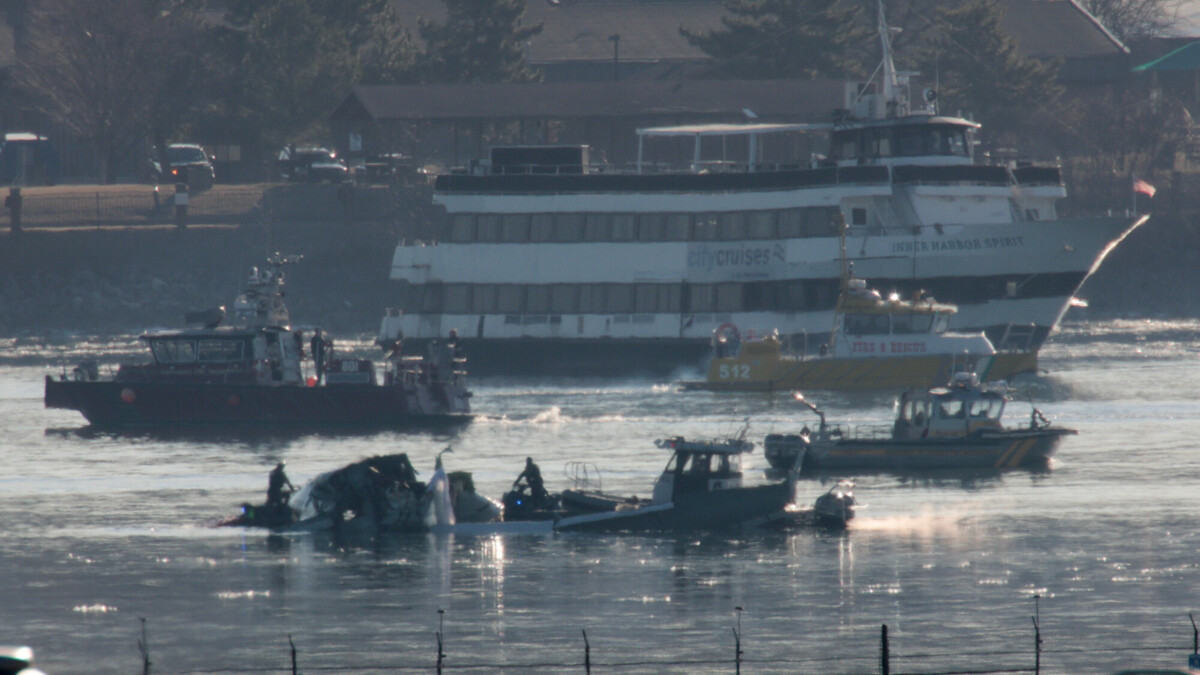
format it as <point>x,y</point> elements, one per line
<point>275,494</point>
<point>532,476</point>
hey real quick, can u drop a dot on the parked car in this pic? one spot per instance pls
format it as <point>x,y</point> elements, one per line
<point>186,163</point>
<point>311,165</point>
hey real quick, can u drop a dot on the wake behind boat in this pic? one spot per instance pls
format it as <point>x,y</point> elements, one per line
<point>254,372</point>
<point>955,427</point>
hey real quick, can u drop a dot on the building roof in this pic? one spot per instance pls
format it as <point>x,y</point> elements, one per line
<point>1062,28</point>
<point>785,100</point>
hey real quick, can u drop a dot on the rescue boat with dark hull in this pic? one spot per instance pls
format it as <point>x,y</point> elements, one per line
<point>257,372</point>
<point>944,428</point>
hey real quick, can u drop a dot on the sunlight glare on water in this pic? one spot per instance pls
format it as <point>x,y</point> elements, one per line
<point>102,528</point>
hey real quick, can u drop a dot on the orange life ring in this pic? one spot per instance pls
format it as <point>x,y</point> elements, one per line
<point>729,332</point>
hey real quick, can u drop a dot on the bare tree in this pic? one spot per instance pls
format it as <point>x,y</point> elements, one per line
<point>103,68</point>
<point>1133,20</point>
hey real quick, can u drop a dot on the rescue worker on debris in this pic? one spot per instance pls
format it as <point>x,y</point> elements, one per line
<point>532,476</point>
<point>276,497</point>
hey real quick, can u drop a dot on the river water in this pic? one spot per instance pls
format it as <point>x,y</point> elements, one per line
<point>102,530</point>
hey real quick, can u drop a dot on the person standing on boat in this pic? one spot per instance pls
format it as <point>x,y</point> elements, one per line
<point>275,483</point>
<point>532,476</point>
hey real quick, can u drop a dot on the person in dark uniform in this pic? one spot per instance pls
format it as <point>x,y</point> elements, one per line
<point>275,494</point>
<point>532,476</point>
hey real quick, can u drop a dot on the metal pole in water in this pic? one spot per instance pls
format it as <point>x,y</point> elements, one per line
<point>737,641</point>
<point>293,646</point>
<point>884,655</point>
<point>441,654</point>
<point>144,648</point>
<point>587,654</point>
<point>1195,635</point>
<point>1037,635</point>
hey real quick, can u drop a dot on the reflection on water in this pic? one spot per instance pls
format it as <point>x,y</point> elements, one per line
<point>104,527</point>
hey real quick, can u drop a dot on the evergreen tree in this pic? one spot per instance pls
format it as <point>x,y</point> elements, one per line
<point>292,61</point>
<point>480,41</point>
<point>981,73</point>
<point>765,39</point>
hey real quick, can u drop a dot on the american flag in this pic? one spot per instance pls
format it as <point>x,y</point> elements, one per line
<point>1143,187</point>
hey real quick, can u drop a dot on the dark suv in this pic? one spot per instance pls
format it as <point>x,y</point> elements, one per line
<point>186,163</point>
<point>311,165</point>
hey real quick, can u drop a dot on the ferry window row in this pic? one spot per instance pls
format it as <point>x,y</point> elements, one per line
<point>605,227</point>
<point>901,141</point>
<point>674,298</point>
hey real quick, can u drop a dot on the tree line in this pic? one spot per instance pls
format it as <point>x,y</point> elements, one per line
<point>263,73</point>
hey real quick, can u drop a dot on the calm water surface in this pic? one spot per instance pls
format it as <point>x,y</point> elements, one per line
<point>103,529</point>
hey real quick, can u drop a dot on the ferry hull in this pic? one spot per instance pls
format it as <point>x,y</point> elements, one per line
<point>1015,291</point>
<point>139,404</point>
<point>987,451</point>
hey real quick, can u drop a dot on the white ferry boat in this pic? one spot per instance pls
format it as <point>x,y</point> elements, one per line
<point>544,254</point>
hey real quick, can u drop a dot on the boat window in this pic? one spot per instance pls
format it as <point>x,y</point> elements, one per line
<point>706,227</point>
<point>866,324</point>
<point>988,407</point>
<point>432,300</point>
<point>489,227</point>
<point>950,408</point>
<point>514,227</point>
<point>564,298</point>
<point>791,223</point>
<point>624,227</point>
<point>818,221</point>
<point>700,463</point>
<point>174,351</point>
<point>941,322</point>
<point>913,141</point>
<point>620,299</point>
<point>220,350</point>
<point>724,466</point>
<point>462,228</point>
<point>678,227</point>
<point>729,298</point>
<point>483,299</point>
<point>568,227</point>
<point>911,323</point>
<point>700,297</point>
<point>456,298</point>
<point>592,298</point>
<point>542,227</point>
<point>510,299</point>
<point>761,224</point>
<point>652,227</point>
<point>731,225</point>
<point>598,227</point>
<point>537,299</point>
<point>669,298</point>
<point>645,298</point>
